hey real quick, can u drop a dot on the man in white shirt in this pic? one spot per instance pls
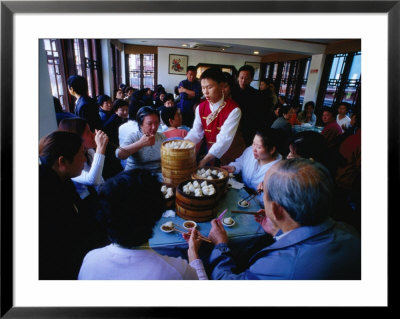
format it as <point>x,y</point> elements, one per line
<point>342,119</point>
<point>217,119</point>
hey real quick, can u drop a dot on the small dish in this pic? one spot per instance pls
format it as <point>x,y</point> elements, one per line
<point>167,227</point>
<point>228,225</point>
<point>189,224</point>
<point>240,203</point>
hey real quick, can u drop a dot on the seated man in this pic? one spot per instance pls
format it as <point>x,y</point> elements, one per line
<point>298,196</point>
<point>331,130</point>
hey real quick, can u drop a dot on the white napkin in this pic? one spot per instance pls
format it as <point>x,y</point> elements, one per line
<point>169,213</point>
<point>235,184</point>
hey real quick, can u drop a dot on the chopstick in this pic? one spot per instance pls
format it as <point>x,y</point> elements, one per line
<point>222,214</point>
<point>243,212</point>
<point>186,232</point>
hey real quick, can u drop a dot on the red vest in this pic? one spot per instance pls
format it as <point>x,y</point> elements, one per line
<point>212,130</point>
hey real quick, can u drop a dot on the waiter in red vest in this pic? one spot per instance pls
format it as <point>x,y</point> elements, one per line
<point>217,119</point>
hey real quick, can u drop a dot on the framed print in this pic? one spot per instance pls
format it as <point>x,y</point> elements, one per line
<point>177,64</point>
<point>23,296</point>
<point>256,67</point>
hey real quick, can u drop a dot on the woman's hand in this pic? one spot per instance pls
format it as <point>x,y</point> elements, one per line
<point>266,223</point>
<point>101,140</point>
<point>230,169</point>
<point>217,233</point>
<point>147,140</point>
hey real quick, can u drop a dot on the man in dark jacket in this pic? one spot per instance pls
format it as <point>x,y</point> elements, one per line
<point>85,106</point>
<point>256,112</point>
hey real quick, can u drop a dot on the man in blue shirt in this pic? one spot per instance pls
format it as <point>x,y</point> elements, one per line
<point>308,244</point>
<point>190,93</point>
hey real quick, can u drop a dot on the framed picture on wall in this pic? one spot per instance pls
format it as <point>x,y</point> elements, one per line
<point>256,67</point>
<point>177,64</point>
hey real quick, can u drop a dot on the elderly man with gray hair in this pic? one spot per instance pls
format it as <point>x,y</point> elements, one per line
<point>308,244</point>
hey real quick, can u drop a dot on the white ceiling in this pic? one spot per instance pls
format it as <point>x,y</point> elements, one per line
<point>242,46</point>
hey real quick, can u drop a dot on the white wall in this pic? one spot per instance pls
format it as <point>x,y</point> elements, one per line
<point>314,78</point>
<point>169,81</point>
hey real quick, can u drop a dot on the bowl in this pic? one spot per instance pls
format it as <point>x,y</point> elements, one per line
<point>189,224</point>
<point>228,225</point>
<point>167,227</point>
<point>241,204</point>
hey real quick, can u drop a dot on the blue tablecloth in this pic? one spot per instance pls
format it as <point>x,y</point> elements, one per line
<point>300,128</point>
<point>241,236</point>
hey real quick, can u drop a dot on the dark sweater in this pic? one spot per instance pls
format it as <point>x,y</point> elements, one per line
<point>66,231</point>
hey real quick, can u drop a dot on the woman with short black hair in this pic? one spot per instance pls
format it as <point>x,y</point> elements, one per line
<point>142,148</point>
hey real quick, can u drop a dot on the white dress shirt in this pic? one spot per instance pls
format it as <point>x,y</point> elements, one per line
<point>224,137</point>
<point>126,129</point>
<point>113,262</point>
<point>346,121</point>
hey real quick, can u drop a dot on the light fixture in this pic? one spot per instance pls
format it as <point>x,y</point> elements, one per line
<point>184,45</point>
<point>256,52</point>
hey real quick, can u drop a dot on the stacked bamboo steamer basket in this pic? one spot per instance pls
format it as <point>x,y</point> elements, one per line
<point>198,209</point>
<point>178,164</point>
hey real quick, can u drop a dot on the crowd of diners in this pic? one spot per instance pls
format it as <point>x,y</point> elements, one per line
<point>100,181</point>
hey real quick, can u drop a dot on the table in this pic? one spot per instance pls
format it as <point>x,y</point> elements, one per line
<point>242,236</point>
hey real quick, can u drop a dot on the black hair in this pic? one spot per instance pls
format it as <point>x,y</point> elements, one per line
<point>131,203</point>
<point>191,68</point>
<point>56,144</point>
<point>118,103</point>
<point>248,68</point>
<point>309,103</point>
<point>214,74</point>
<point>78,84</point>
<point>102,98</point>
<point>267,81</point>
<point>168,113</point>
<point>176,91</point>
<point>230,80</point>
<point>284,109</point>
<point>328,109</point>
<point>169,96</point>
<point>128,88</point>
<point>74,124</point>
<point>310,144</point>
<point>145,111</point>
<point>346,104</point>
<point>270,138</point>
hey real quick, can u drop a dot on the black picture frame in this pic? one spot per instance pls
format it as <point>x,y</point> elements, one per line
<point>9,8</point>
